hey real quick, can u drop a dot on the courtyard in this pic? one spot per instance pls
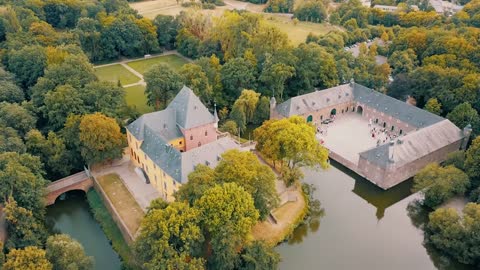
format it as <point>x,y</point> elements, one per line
<point>350,134</point>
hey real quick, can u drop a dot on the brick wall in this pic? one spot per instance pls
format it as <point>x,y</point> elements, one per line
<point>201,135</point>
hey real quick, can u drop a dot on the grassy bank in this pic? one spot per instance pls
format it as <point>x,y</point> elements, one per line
<point>110,229</point>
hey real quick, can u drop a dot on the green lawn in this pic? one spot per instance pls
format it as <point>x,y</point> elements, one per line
<point>114,73</point>
<point>135,96</point>
<point>174,61</point>
<point>298,33</point>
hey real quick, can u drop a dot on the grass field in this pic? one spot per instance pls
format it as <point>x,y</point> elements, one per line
<point>135,96</point>
<point>114,73</point>
<point>174,61</point>
<point>298,33</point>
<point>123,201</point>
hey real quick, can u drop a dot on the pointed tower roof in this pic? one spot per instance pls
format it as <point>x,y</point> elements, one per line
<point>190,111</point>
<point>215,115</point>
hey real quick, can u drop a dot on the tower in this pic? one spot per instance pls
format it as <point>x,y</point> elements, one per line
<point>215,115</point>
<point>467,131</point>
<point>273,104</point>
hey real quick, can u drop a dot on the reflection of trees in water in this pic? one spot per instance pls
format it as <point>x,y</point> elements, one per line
<point>311,223</point>
<point>418,214</point>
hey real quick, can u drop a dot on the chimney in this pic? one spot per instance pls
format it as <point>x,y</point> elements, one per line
<point>391,149</point>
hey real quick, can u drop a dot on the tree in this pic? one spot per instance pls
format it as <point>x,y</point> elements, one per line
<point>275,75</point>
<point>51,150</point>
<point>244,169</point>
<point>454,234</point>
<point>171,238</point>
<point>10,92</point>
<point>433,106</point>
<point>228,215</point>
<point>166,30</point>
<point>403,61</point>
<point>237,74</point>
<point>259,256</point>
<point>104,97</point>
<point>238,116</point>
<point>100,138</point>
<point>163,83</point>
<point>472,162</point>
<point>440,183</point>
<point>292,142</point>
<point>247,102</point>
<point>22,227</point>
<point>21,176</point>
<point>10,141</point>
<point>66,253</point>
<point>463,115</point>
<point>456,159</point>
<point>262,112</point>
<point>17,117</point>
<point>313,11</point>
<point>30,258</point>
<point>197,80</point>
<point>27,64</point>
<point>199,180</point>
<point>60,103</point>
<point>315,67</point>
<point>229,126</point>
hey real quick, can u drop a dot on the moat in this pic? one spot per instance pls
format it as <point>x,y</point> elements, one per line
<point>363,228</point>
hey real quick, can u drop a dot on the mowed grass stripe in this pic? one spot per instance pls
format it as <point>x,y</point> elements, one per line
<point>114,73</point>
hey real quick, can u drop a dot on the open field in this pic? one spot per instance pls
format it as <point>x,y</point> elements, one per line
<point>123,201</point>
<point>135,96</point>
<point>172,60</point>
<point>298,33</point>
<point>114,73</point>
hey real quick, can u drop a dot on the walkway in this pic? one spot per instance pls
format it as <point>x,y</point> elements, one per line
<point>142,192</point>
<point>125,62</point>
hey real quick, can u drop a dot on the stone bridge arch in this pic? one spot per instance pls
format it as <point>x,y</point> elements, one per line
<point>78,181</point>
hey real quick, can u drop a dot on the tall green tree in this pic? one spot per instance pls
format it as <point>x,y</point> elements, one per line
<point>66,253</point>
<point>463,115</point>
<point>100,138</point>
<point>433,106</point>
<point>17,117</point>
<point>27,64</point>
<point>472,161</point>
<point>10,141</point>
<point>247,102</point>
<point>259,256</point>
<point>197,80</point>
<point>163,83</point>
<point>104,97</point>
<point>244,169</point>
<point>167,28</point>
<point>440,183</point>
<point>171,238</point>
<point>262,112</point>
<point>292,143</point>
<point>237,74</point>
<point>199,180</point>
<point>10,92</point>
<point>23,228</point>
<point>60,103</point>
<point>228,215</point>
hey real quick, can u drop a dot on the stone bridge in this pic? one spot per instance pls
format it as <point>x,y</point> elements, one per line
<point>78,181</point>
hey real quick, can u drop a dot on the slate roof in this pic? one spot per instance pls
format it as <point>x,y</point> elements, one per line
<point>190,111</point>
<point>355,92</point>
<point>414,145</point>
<point>398,109</point>
<point>162,122</point>
<point>315,100</point>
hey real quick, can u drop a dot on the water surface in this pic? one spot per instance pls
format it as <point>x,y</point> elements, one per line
<point>73,217</point>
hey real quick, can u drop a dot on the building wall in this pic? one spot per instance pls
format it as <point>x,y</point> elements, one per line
<point>389,120</point>
<point>178,143</point>
<point>160,180</point>
<point>201,135</point>
<point>393,176</point>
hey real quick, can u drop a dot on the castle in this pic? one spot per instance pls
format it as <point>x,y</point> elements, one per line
<point>416,137</point>
<point>167,145</point>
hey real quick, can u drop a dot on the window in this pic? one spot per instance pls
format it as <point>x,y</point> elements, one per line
<point>174,183</point>
<point>163,174</point>
<point>165,185</point>
<point>199,144</point>
<point>347,109</point>
<point>136,145</point>
<point>191,137</point>
<point>401,132</point>
<point>155,178</point>
<point>154,166</point>
<point>321,117</point>
<point>206,133</point>
<point>343,111</point>
<point>180,142</point>
<point>393,128</point>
